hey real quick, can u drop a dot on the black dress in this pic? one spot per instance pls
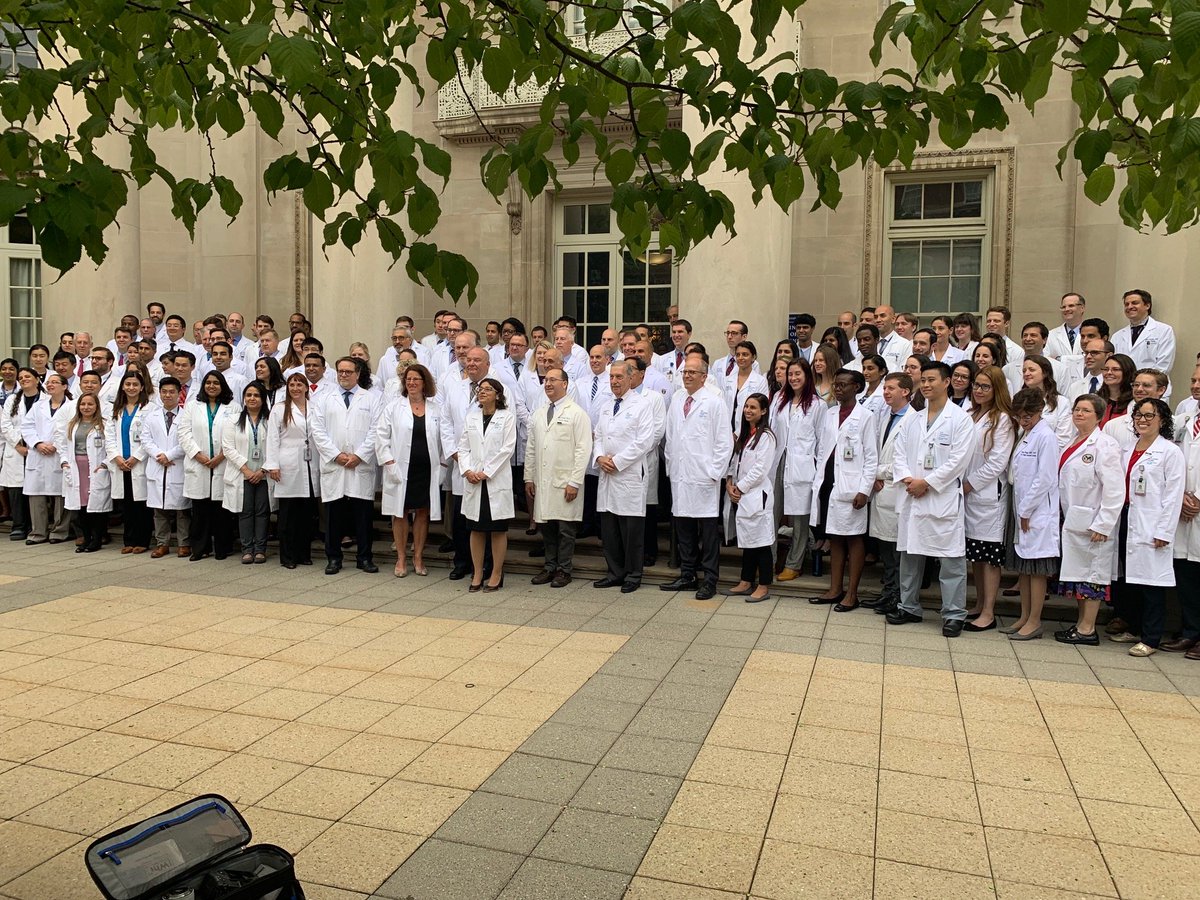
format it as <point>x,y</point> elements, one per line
<point>485,522</point>
<point>416,494</point>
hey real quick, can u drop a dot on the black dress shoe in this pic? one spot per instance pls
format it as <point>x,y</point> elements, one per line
<point>607,582</point>
<point>826,600</point>
<point>871,602</point>
<point>649,560</point>
<point>369,567</point>
<point>1178,645</point>
<point>1072,636</point>
<point>446,547</point>
<point>952,628</point>
<point>458,574</point>
<point>288,565</point>
<point>972,627</point>
<point>333,567</point>
<point>900,617</point>
<point>630,586</point>
<point>842,607</point>
<point>680,584</point>
<point>707,591</point>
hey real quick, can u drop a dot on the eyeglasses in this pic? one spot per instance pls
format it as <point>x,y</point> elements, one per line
<point>733,334</point>
<point>982,386</point>
<point>549,380</point>
<point>1145,416</point>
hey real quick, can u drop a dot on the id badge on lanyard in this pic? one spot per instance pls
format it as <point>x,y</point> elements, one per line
<point>929,463</point>
<point>848,453</point>
<point>1139,485</point>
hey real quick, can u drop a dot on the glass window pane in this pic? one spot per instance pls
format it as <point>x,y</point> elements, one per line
<point>906,258</point>
<point>20,272</point>
<point>964,294</point>
<point>908,202</point>
<point>597,268</point>
<point>24,334</point>
<point>572,303</point>
<point>904,294</point>
<point>37,273</point>
<point>633,270</point>
<point>660,299</point>
<point>968,257</point>
<point>935,295</point>
<point>660,271</point>
<point>937,200</point>
<point>597,306</point>
<point>573,219</point>
<point>591,335</point>
<point>21,303</point>
<point>968,199</point>
<point>572,264</point>
<point>20,231</point>
<point>935,257</point>
<point>597,218</point>
<point>633,307</point>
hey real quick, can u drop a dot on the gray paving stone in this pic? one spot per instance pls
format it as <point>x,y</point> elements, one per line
<point>989,643</point>
<point>630,665</point>
<point>441,870</point>
<point>871,653</point>
<point>708,654</point>
<point>597,840</point>
<point>576,743</point>
<point>1050,671</point>
<point>658,756</point>
<point>609,715</point>
<point>537,778</point>
<point>707,674</point>
<point>669,631</point>
<point>787,643</point>
<point>499,822</point>
<point>980,664</point>
<point>727,637</point>
<point>616,687</point>
<point>803,628</point>
<point>645,645</point>
<point>1149,680</point>
<point>542,879</point>
<point>1046,649</point>
<point>676,724</point>
<point>924,659</point>
<point>626,793</point>
<point>694,697</point>
<point>561,621</point>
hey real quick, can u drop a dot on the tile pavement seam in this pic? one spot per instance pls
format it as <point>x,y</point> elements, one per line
<point>975,790</point>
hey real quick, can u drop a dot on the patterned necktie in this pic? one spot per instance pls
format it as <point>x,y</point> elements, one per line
<point>617,407</point>
<point>687,406</point>
<point>1196,427</point>
<point>678,359</point>
<point>452,353</point>
<point>516,369</point>
<point>346,395</point>
<point>1095,384</point>
<point>595,385</point>
<point>1135,332</point>
<point>1071,337</point>
<point>474,391</point>
<point>729,366</point>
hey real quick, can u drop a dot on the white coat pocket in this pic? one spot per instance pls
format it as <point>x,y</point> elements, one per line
<point>1079,519</point>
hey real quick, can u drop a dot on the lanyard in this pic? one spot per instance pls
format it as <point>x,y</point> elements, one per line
<point>253,430</point>
<point>212,415</point>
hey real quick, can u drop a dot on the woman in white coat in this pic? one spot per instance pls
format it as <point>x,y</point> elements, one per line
<point>204,421</point>
<point>291,464</point>
<point>750,489</point>
<point>1033,551</point>
<point>1036,372</point>
<point>12,475</point>
<point>800,420</point>
<point>247,492</point>
<point>848,459</point>
<point>986,491</point>
<point>408,446</point>
<point>123,433</point>
<point>1155,476</point>
<point>87,480</point>
<point>491,438</point>
<point>743,382</point>
<point>1091,490</point>
<point>43,474</point>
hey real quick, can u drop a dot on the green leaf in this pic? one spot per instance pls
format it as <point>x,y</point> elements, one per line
<point>247,44</point>
<point>1091,148</point>
<point>1100,52</point>
<point>707,152</point>
<point>618,169</point>
<point>1065,16</point>
<point>1185,35</point>
<point>1099,184</point>
<point>13,199</point>
<point>318,193</point>
<point>230,115</point>
<point>295,58</point>
<point>268,111</point>
<point>227,194</point>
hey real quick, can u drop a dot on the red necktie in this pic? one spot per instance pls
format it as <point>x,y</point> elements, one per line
<point>678,359</point>
<point>1196,427</point>
<point>312,387</point>
<point>729,366</point>
<point>182,394</point>
<point>687,407</point>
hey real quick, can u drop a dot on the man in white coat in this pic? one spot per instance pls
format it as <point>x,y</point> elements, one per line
<point>997,322</point>
<point>556,458</point>
<point>625,435</point>
<point>594,395</point>
<point>343,430</point>
<point>892,347</point>
<point>698,448</point>
<point>658,489</point>
<point>931,456</point>
<point>1147,341</point>
<point>1064,341</point>
<point>164,472</point>
<point>897,390</point>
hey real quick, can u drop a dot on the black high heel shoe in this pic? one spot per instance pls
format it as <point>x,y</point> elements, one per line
<point>492,588</point>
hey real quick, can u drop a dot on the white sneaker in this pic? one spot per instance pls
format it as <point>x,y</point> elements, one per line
<point>1140,649</point>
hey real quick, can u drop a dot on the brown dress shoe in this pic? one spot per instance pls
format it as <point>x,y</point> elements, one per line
<point>561,579</point>
<point>184,551</point>
<point>138,550</point>
<point>159,552</point>
<point>542,577</point>
<point>1179,645</point>
<point>1194,653</point>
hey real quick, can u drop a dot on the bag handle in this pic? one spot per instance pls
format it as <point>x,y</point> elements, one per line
<point>111,852</point>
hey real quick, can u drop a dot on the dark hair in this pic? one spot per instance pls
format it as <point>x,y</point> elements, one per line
<point>176,318</point>
<point>9,359</point>
<point>1117,405</point>
<point>291,358</point>
<point>143,397</point>
<point>1166,423</point>
<point>185,354</point>
<point>879,361</point>
<point>791,345</point>
<point>274,374</point>
<point>1028,400</point>
<point>263,317</point>
<point>745,328</point>
<point>501,401</point>
<point>744,441</point>
<point>806,319</point>
<point>972,371</point>
<point>687,326</point>
<point>263,394</point>
<point>157,303</point>
<point>12,411</point>
<point>860,381</point>
<point>901,378</point>
<point>749,345</point>
<point>1099,324</point>
<point>429,384</point>
<point>998,350</point>
<point>169,381</point>
<point>776,386</point>
<point>215,344</point>
<point>226,394</point>
<point>287,397</point>
<point>1138,292</point>
<point>1040,326</point>
<point>518,326</point>
<point>364,371</point>
<point>42,347</point>
<point>1095,401</point>
<point>841,343</point>
<point>63,354</point>
<point>968,319</point>
<point>870,329</point>
<point>1049,385</point>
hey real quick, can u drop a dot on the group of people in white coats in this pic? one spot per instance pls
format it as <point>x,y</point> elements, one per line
<point>1054,458</point>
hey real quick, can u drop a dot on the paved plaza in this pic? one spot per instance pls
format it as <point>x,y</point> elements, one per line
<point>405,739</point>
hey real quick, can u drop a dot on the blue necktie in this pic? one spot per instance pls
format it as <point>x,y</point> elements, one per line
<point>595,385</point>
<point>346,395</point>
<point>617,406</point>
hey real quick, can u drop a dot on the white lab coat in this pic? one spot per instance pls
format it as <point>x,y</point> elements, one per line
<point>100,487</point>
<point>1121,430</point>
<point>43,474</point>
<point>1155,348</point>
<point>753,473</point>
<point>112,439</point>
<point>336,429</point>
<point>698,447</point>
<point>12,469</point>
<point>556,455</point>
<point>490,453</point>
<point>629,438</point>
<point>1154,515</point>
<point>1187,534</point>
<point>195,436</point>
<point>987,473</point>
<point>883,503</point>
<point>735,397</point>
<point>1034,477</point>
<point>800,458</point>
<point>236,445</point>
<point>854,447</point>
<point>873,400</point>
<point>1057,345</point>
<point>393,444</point>
<point>933,525</point>
<point>164,485</point>
<point>895,350</point>
<point>658,419</point>
<point>669,364</point>
<point>287,446</point>
<point>1091,490</point>
<point>1060,422</point>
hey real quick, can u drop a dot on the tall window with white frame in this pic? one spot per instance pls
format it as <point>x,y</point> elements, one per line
<point>937,244</point>
<point>22,274</point>
<point>602,286</point>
